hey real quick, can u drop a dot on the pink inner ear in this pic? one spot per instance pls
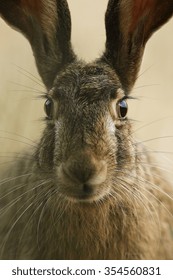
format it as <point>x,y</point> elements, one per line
<point>140,8</point>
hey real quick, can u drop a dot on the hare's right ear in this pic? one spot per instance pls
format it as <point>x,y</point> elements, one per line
<point>47,26</point>
<point>129,24</point>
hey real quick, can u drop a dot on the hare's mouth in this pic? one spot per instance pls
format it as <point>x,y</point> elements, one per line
<point>76,191</point>
<point>84,193</point>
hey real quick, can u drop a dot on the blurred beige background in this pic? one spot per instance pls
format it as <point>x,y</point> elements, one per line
<point>21,111</point>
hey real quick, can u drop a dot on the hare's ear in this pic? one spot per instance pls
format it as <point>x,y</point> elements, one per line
<point>129,24</point>
<point>47,26</point>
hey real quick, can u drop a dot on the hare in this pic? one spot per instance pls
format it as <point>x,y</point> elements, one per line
<point>86,192</point>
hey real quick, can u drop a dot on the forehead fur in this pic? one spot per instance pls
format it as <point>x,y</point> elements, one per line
<point>87,80</point>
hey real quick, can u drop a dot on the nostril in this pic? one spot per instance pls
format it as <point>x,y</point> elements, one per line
<point>87,189</point>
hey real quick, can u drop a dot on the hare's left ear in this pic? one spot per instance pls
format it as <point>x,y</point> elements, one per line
<point>47,26</point>
<point>129,24</point>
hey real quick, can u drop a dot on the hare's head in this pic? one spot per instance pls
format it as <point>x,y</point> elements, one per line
<point>87,144</point>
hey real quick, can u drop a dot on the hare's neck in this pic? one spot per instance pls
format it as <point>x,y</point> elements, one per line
<point>84,231</point>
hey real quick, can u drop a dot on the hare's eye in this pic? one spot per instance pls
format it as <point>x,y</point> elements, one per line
<point>122,109</point>
<point>48,108</point>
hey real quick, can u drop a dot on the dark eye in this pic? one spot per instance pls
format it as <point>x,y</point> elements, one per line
<point>122,108</point>
<point>48,108</point>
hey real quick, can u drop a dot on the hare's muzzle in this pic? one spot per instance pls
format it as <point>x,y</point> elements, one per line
<point>82,176</point>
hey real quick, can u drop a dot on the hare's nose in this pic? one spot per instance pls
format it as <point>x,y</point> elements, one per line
<point>84,169</point>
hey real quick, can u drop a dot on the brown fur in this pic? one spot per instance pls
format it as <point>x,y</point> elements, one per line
<point>88,190</point>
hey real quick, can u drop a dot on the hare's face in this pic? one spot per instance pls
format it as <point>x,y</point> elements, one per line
<point>87,110</point>
<point>87,143</point>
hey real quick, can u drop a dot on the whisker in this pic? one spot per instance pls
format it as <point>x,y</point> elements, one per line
<point>144,86</point>
<point>20,216</point>
<point>18,157</point>
<point>142,180</point>
<point>19,141</point>
<point>30,218</point>
<point>162,204</point>
<point>14,224</point>
<point>24,90</point>
<point>14,201</point>
<point>46,198</point>
<point>150,123</point>
<point>122,182</point>
<point>146,70</point>
<point>153,152</point>
<point>16,154</point>
<point>159,167</point>
<point>24,86</point>
<point>8,162</point>
<point>157,220</point>
<point>7,180</point>
<point>153,139</point>
<point>157,188</point>
<point>40,202</point>
<point>14,189</point>
<point>30,77</point>
<point>24,70</point>
<point>19,135</point>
